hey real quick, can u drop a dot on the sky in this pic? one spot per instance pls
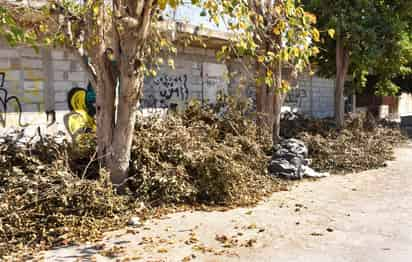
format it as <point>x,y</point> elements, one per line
<point>191,14</point>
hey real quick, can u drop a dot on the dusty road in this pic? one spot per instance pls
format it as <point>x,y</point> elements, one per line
<point>359,217</point>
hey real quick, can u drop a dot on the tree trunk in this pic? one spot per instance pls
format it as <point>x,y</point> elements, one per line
<point>264,106</point>
<point>120,61</point>
<point>277,104</point>
<point>115,123</point>
<point>115,126</point>
<point>130,90</point>
<point>277,108</point>
<point>264,103</point>
<point>110,56</point>
<point>105,95</point>
<point>342,65</point>
<point>269,101</point>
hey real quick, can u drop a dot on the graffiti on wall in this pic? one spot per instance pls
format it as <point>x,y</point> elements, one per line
<point>295,97</point>
<point>82,107</point>
<point>6,102</point>
<point>166,91</point>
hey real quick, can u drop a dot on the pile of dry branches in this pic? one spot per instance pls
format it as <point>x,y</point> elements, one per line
<point>51,194</point>
<point>43,203</point>
<point>363,144</point>
<point>201,157</point>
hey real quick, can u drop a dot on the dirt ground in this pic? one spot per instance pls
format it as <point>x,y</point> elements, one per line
<point>358,217</point>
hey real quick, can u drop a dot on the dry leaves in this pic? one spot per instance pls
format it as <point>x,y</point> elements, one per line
<point>200,157</point>
<point>364,144</point>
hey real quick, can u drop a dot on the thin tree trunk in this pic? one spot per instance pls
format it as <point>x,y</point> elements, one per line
<point>105,93</point>
<point>278,101</point>
<point>354,103</point>
<point>339,101</point>
<point>277,104</point>
<point>342,64</point>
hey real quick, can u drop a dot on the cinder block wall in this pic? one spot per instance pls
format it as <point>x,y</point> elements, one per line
<point>36,85</point>
<point>311,95</point>
<point>34,91</point>
<point>316,96</point>
<point>197,75</point>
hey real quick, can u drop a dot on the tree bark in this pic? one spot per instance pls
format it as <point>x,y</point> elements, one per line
<point>105,96</point>
<point>110,56</point>
<point>264,103</point>
<point>121,63</point>
<point>130,89</point>
<point>278,99</point>
<point>342,65</point>
<point>269,101</point>
<point>264,106</point>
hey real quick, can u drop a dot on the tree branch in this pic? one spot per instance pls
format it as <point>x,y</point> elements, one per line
<point>145,19</point>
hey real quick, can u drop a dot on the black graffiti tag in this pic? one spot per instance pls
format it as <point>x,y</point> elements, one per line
<point>5,101</point>
<point>169,86</point>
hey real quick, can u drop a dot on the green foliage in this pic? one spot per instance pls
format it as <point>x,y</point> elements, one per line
<point>386,87</point>
<point>273,35</point>
<point>377,34</point>
<point>13,31</point>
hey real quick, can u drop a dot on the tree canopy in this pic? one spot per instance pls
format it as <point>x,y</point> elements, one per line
<point>269,36</point>
<point>376,33</point>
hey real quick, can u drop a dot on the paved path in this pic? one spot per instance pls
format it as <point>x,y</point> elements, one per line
<point>359,217</point>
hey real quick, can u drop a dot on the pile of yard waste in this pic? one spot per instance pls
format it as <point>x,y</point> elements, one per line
<point>363,144</point>
<point>52,194</point>
<point>202,156</point>
<point>43,203</point>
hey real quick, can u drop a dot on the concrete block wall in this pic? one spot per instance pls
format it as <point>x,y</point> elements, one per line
<point>40,83</point>
<point>22,87</point>
<point>66,74</point>
<point>197,75</point>
<point>36,86</point>
<point>313,96</point>
<point>310,95</point>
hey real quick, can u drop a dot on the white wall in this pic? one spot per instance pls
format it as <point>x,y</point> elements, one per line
<point>405,104</point>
